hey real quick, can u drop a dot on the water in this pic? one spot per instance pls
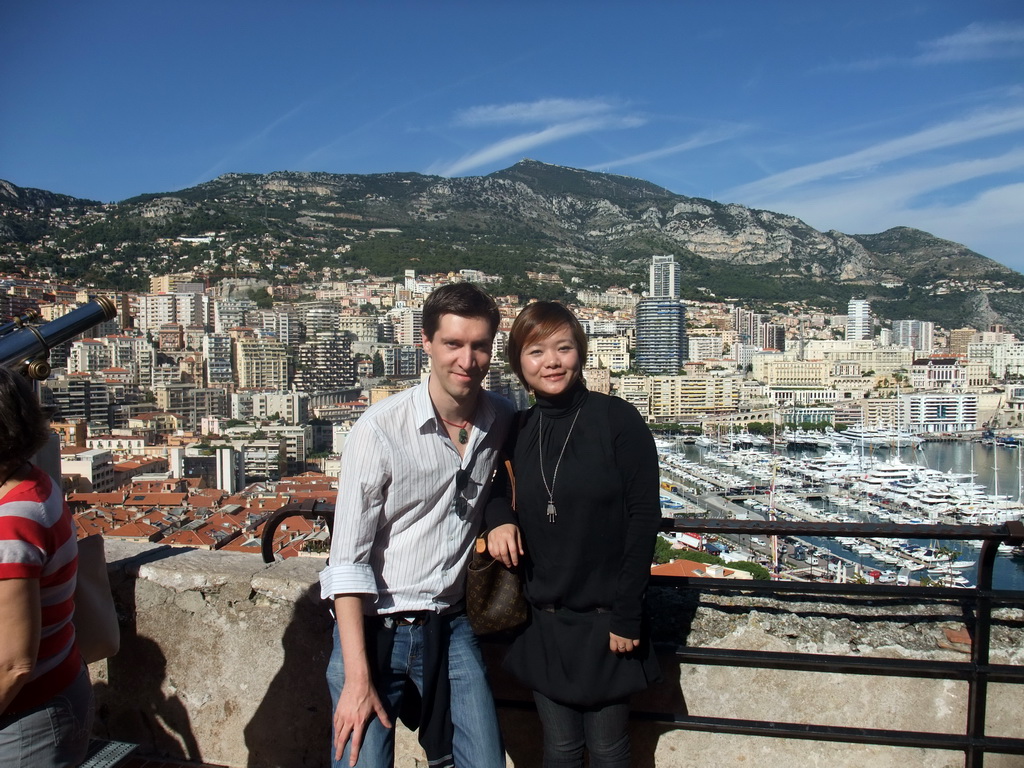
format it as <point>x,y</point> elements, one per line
<point>995,467</point>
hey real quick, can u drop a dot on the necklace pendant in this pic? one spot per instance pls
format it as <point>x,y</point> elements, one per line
<point>551,512</point>
<point>463,436</point>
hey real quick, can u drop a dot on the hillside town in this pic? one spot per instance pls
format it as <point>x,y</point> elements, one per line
<point>199,410</point>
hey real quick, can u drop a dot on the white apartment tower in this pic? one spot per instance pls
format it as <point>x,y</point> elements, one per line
<point>664,277</point>
<point>858,320</point>
<point>916,334</point>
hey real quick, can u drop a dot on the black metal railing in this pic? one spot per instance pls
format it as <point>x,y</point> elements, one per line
<point>977,673</point>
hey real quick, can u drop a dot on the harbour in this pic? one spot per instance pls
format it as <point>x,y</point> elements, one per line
<point>961,482</point>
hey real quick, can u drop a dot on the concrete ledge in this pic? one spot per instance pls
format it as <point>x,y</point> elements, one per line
<point>223,660</point>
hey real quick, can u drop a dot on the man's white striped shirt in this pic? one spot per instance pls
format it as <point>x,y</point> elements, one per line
<point>401,532</point>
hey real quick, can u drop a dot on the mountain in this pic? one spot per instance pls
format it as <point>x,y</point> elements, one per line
<point>593,229</point>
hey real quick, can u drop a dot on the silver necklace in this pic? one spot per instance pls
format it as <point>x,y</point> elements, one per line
<point>552,512</point>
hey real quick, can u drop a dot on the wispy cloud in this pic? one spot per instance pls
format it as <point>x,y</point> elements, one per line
<point>955,132</point>
<point>560,119</point>
<point>987,221</point>
<point>702,139</point>
<point>246,145</point>
<point>515,146</point>
<point>533,112</point>
<point>976,42</point>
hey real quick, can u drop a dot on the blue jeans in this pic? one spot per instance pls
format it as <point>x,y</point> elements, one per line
<point>604,730</point>
<point>53,735</point>
<point>477,739</point>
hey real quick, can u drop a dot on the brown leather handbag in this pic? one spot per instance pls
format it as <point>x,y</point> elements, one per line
<point>494,593</point>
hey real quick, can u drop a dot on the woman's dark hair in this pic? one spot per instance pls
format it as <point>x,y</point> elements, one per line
<point>538,321</point>
<point>23,428</point>
<point>462,299</point>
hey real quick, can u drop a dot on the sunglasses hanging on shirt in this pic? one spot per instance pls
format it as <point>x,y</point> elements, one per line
<point>460,505</point>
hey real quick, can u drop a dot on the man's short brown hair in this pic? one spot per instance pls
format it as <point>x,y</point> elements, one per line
<point>462,299</point>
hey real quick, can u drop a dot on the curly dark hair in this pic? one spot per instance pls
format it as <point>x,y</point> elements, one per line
<point>23,427</point>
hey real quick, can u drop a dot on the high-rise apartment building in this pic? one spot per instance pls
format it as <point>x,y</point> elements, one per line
<point>959,340</point>
<point>661,321</point>
<point>157,309</point>
<point>408,324</point>
<point>283,324</point>
<point>858,320</point>
<point>231,313</point>
<point>773,336</point>
<point>749,327</point>
<point>319,317</point>
<point>664,272</point>
<point>217,359</point>
<point>262,364</point>
<point>661,336</point>
<point>916,334</point>
<point>325,363</point>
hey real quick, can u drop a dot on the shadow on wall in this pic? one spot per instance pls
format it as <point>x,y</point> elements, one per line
<point>158,721</point>
<point>298,691</point>
<point>664,697</point>
<point>138,702</point>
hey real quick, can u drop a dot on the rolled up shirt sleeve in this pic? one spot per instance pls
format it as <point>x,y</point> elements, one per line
<point>362,489</point>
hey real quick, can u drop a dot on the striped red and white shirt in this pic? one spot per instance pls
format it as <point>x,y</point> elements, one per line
<point>37,541</point>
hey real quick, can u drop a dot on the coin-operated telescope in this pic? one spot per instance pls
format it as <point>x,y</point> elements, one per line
<point>25,347</point>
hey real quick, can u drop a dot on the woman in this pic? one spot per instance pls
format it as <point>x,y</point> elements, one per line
<point>585,520</point>
<point>45,694</point>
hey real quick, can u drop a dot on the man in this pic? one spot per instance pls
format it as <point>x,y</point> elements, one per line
<point>414,479</point>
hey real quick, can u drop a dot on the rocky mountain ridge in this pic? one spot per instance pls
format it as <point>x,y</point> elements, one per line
<point>591,228</point>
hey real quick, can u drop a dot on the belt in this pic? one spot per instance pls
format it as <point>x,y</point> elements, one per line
<point>555,608</point>
<point>418,618</point>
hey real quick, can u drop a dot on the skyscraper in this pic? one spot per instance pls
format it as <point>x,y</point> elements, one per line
<point>916,334</point>
<point>661,321</point>
<point>858,320</point>
<point>664,277</point>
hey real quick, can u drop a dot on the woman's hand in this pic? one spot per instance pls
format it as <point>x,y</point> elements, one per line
<point>504,543</point>
<point>618,644</point>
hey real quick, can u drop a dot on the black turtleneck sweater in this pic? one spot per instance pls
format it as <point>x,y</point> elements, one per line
<point>597,553</point>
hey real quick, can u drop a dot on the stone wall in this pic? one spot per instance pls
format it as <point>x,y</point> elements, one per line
<point>223,659</point>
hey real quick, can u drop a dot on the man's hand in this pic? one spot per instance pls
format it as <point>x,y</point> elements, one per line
<point>618,644</point>
<point>359,702</point>
<point>504,543</point>
<point>357,706</point>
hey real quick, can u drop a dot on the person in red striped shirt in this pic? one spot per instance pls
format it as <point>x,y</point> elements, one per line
<point>45,694</point>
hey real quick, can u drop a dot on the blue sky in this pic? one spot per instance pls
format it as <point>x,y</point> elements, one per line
<point>851,116</point>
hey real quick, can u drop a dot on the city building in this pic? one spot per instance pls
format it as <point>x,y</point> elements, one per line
<point>89,470</point>
<point>959,340</point>
<point>919,335</point>
<point>940,412</point>
<point>859,325</point>
<point>938,373</point>
<point>216,356</point>
<point>261,364</point>
<point>661,336</point>
<point>611,352</point>
<point>324,363</point>
<point>291,407</point>
<point>664,278</point>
